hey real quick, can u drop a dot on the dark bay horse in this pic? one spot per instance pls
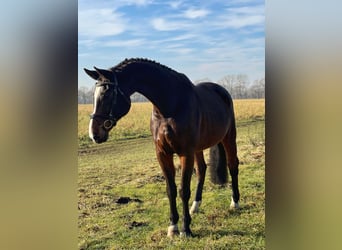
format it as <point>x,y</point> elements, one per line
<point>186,119</point>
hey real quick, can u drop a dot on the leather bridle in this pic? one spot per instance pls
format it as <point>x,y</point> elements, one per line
<point>110,120</point>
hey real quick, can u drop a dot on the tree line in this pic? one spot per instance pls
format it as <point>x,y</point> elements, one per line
<point>238,86</point>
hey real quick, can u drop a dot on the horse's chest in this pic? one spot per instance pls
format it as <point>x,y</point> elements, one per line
<point>164,137</point>
<point>167,136</point>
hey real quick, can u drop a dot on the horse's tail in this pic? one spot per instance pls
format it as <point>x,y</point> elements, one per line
<point>218,165</point>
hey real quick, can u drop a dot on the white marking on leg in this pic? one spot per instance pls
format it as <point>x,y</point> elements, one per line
<point>195,207</point>
<point>172,230</point>
<point>234,205</point>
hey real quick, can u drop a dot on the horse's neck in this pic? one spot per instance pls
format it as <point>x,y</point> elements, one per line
<point>166,98</point>
<point>166,93</point>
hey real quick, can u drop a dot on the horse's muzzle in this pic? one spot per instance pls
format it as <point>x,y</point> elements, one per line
<point>99,139</point>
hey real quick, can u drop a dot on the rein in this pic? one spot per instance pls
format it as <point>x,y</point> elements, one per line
<point>110,120</point>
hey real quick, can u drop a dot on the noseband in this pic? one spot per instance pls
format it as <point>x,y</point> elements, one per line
<point>110,120</point>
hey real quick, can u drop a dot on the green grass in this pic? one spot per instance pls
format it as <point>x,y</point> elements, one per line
<point>128,168</point>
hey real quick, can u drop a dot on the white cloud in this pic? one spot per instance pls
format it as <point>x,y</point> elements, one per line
<point>178,50</point>
<point>175,4</point>
<point>239,2</point>
<point>242,21</point>
<point>87,42</point>
<point>167,25</point>
<point>182,37</point>
<point>193,13</point>
<point>241,17</point>
<point>100,23</point>
<point>142,2</point>
<point>134,2</point>
<point>125,43</point>
<point>247,10</point>
<point>160,24</point>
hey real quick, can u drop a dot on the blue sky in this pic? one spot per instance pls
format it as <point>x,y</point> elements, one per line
<point>202,39</point>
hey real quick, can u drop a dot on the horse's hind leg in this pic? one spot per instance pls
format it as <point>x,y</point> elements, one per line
<point>200,171</point>
<point>229,143</point>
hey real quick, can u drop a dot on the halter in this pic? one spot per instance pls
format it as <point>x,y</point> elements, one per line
<point>110,120</point>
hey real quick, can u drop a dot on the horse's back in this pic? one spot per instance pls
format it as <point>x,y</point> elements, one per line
<point>209,92</point>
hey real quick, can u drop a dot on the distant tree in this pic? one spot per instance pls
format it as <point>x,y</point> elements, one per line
<point>206,79</point>
<point>85,95</point>
<point>240,86</point>
<point>82,95</point>
<point>237,85</point>
<point>262,88</point>
<point>257,89</point>
<point>228,83</point>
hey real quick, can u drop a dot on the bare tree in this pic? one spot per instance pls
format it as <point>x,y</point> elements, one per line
<point>237,85</point>
<point>85,95</point>
<point>82,95</point>
<point>206,79</point>
<point>241,86</point>
<point>257,89</point>
<point>228,83</point>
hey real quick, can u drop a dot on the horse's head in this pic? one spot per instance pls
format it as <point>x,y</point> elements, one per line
<point>110,104</point>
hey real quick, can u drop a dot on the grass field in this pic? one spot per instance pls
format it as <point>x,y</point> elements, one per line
<point>126,168</point>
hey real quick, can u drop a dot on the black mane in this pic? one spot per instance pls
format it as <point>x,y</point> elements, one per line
<point>122,65</point>
<point>127,61</point>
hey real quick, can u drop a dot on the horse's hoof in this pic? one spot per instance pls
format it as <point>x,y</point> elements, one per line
<point>172,231</point>
<point>195,207</point>
<point>234,205</point>
<point>186,234</point>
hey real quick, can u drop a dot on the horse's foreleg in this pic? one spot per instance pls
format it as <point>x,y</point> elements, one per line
<point>167,166</point>
<point>229,144</point>
<point>187,164</point>
<point>200,171</point>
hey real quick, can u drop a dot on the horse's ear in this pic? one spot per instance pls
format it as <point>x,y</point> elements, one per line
<point>107,74</point>
<point>92,73</point>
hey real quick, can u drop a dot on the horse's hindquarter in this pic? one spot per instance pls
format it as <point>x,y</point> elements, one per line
<point>214,107</point>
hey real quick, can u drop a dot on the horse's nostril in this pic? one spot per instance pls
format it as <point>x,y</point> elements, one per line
<point>96,137</point>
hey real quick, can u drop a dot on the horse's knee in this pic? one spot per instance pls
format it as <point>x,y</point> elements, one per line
<point>184,194</point>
